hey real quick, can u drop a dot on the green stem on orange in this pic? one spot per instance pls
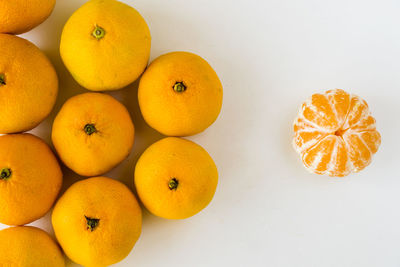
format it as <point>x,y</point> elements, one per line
<point>179,87</point>
<point>98,32</point>
<point>89,129</point>
<point>91,223</point>
<point>173,184</point>
<point>2,79</point>
<point>5,174</point>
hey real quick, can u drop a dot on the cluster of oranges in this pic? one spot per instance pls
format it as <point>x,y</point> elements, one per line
<point>105,45</point>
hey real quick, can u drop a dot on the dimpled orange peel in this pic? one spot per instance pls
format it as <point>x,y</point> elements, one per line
<point>97,221</point>
<point>180,94</point>
<point>27,246</point>
<point>19,16</point>
<point>92,133</point>
<point>335,134</point>
<point>105,45</point>
<point>30,179</point>
<point>175,178</point>
<point>28,85</point>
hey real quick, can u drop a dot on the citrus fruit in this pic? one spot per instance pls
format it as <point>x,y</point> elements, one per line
<point>92,133</point>
<point>180,94</point>
<point>29,246</point>
<point>30,178</point>
<point>97,221</point>
<point>335,134</point>
<point>28,84</point>
<point>19,16</point>
<point>105,45</point>
<point>175,178</point>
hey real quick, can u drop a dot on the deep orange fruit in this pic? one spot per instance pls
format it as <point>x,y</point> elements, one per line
<point>30,179</point>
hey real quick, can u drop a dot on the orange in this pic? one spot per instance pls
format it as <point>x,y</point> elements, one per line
<point>175,178</point>
<point>92,133</point>
<point>29,246</point>
<point>105,45</point>
<point>180,94</point>
<point>97,221</point>
<point>335,133</point>
<point>28,84</point>
<point>30,178</point>
<point>19,16</point>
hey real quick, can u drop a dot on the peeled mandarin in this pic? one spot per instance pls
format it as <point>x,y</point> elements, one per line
<point>335,134</point>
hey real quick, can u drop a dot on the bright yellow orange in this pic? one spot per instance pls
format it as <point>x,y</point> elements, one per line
<point>28,84</point>
<point>105,45</point>
<point>19,16</point>
<point>30,178</point>
<point>180,94</point>
<point>92,133</point>
<point>97,221</point>
<point>29,246</point>
<point>175,178</point>
<point>335,133</point>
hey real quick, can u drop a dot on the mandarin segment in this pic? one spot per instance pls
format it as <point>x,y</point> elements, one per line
<point>365,124</point>
<point>335,133</point>
<point>305,135</point>
<point>359,153</point>
<point>318,157</point>
<point>319,111</point>
<point>372,139</point>
<point>358,111</point>
<point>340,101</point>
<point>340,164</point>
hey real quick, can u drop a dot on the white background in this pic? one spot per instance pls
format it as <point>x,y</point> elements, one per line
<point>270,55</point>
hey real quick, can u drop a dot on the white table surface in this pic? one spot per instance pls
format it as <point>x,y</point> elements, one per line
<point>270,55</point>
